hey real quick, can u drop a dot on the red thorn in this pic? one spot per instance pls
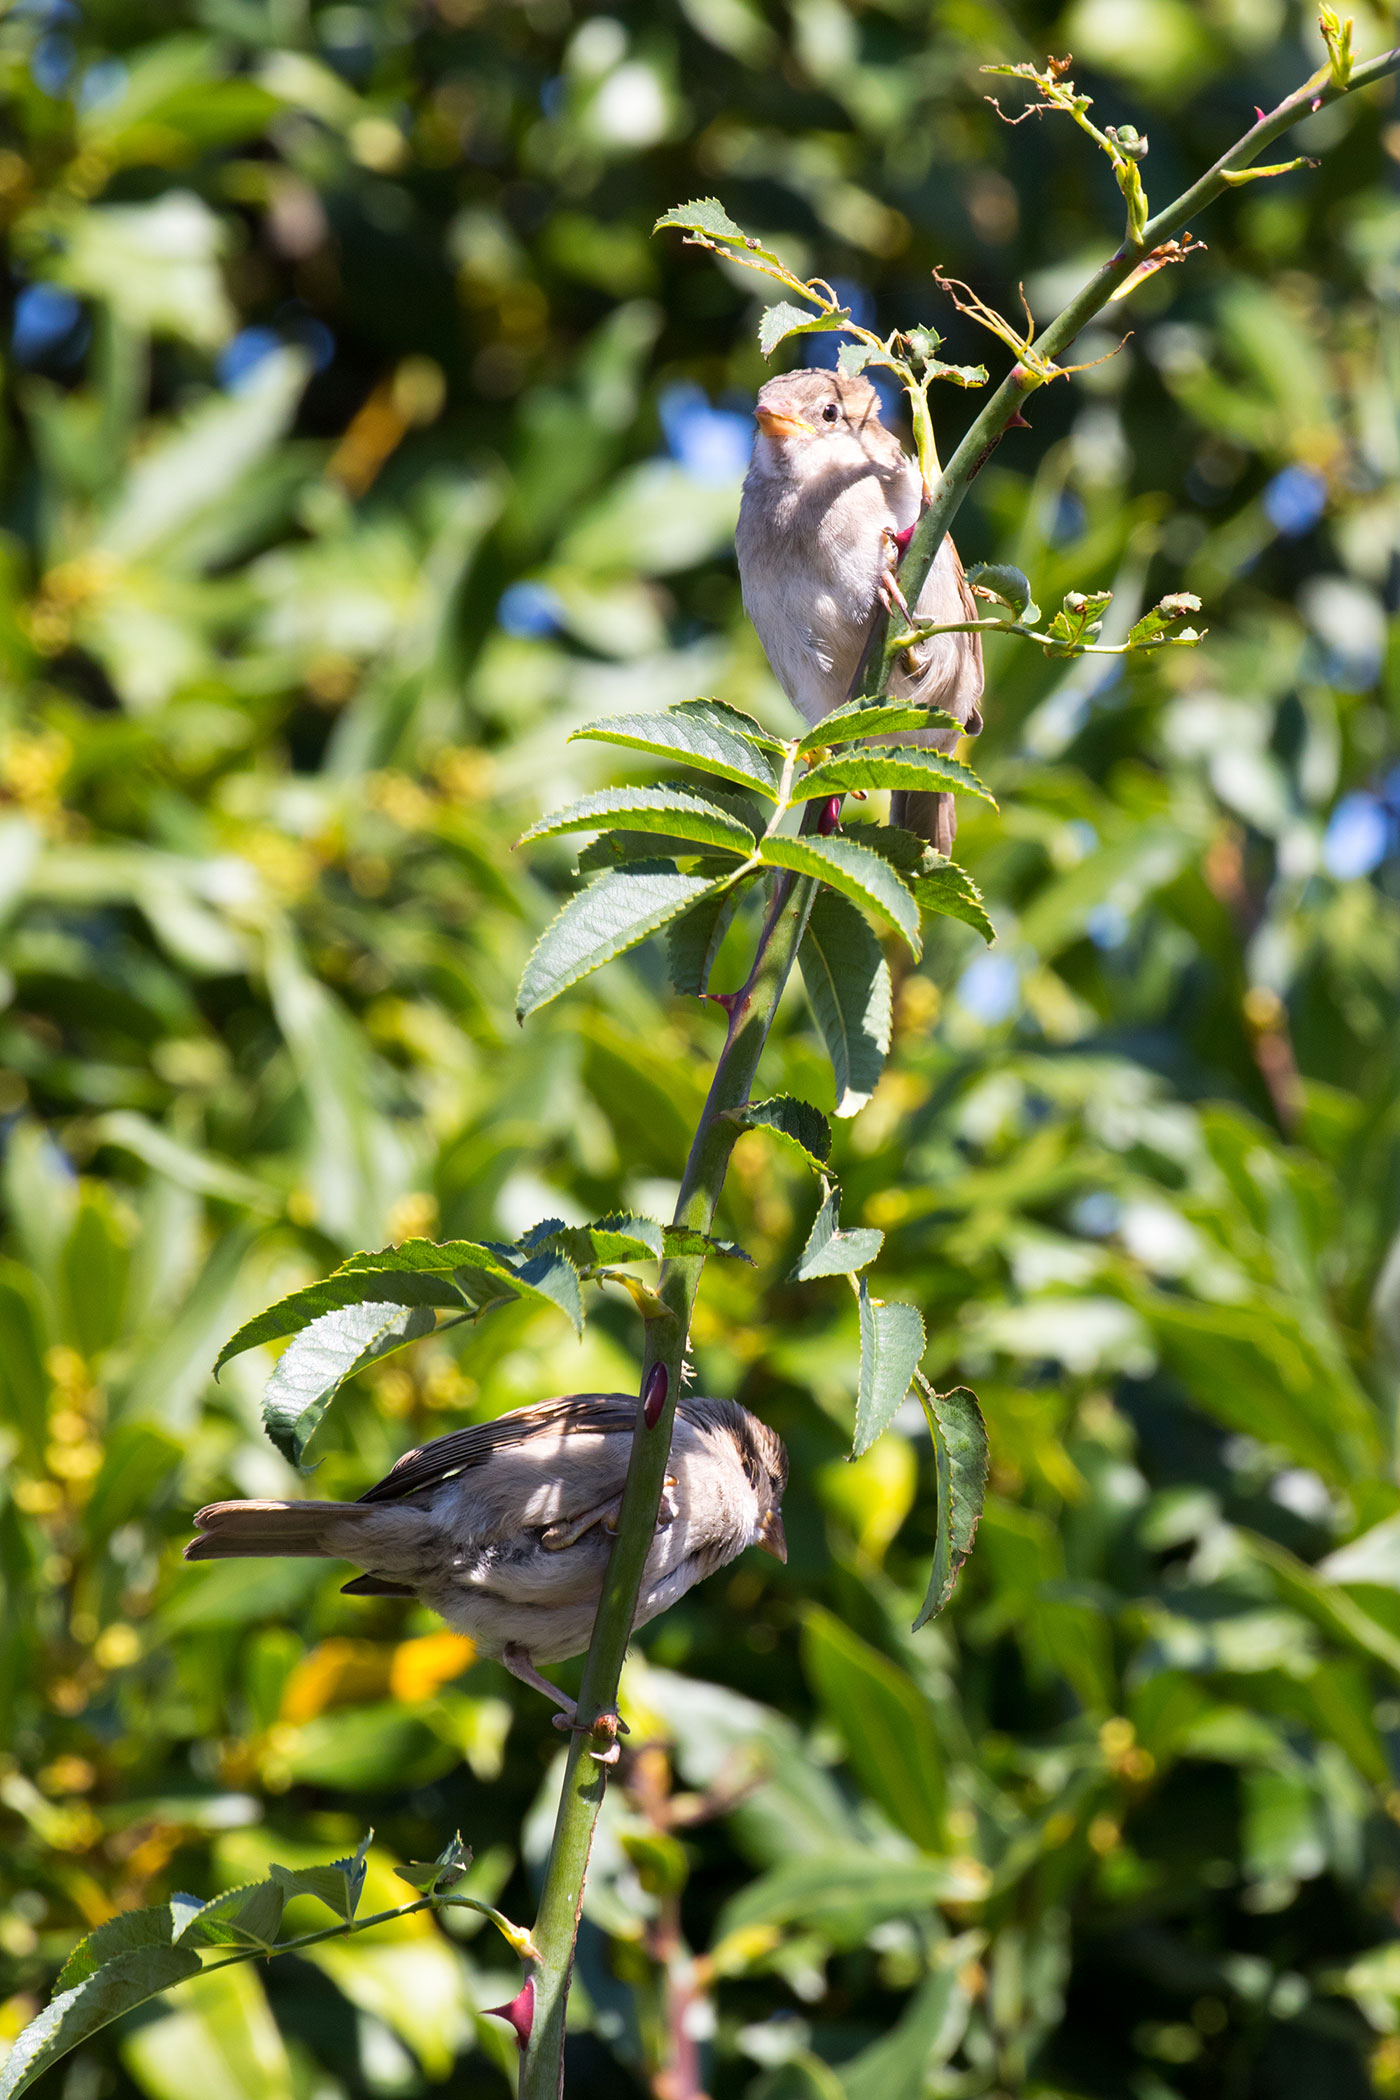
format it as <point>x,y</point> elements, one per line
<point>1316,102</point>
<point>658,1385</point>
<point>830,817</point>
<point>1018,422</point>
<point>519,2014</point>
<point>1259,112</point>
<point>728,1000</point>
<point>902,539</point>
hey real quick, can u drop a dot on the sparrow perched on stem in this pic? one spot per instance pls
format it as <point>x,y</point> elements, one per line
<point>829,499</point>
<point>504,1529</point>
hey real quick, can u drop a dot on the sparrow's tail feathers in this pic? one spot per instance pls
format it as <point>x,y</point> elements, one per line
<point>931,817</point>
<point>238,1530</point>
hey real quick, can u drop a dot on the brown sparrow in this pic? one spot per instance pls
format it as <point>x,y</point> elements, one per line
<point>504,1529</point>
<point>828,495</point>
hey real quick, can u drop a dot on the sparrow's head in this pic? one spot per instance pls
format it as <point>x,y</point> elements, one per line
<point>813,424</point>
<point>766,1463</point>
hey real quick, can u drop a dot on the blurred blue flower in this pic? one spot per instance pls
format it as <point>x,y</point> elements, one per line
<point>990,989</point>
<point>1107,926</point>
<point>51,63</point>
<point>1096,1215</point>
<point>1359,836</point>
<point>44,315</point>
<point>310,334</point>
<point>1068,520</point>
<point>102,83</point>
<point>239,360</point>
<point>713,444</point>
<point>529,610</point>
<point>1294,501</point>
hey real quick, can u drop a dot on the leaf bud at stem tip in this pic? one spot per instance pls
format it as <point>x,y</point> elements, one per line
<point>519,2014</point>
<point>658,1385</point>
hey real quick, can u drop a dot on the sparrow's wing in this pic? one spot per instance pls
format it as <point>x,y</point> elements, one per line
<point>947,673</point>
<point>447,1456</point>
<point>948,667</point>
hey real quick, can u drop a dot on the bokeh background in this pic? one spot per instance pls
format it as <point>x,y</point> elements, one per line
<point>358,444</point>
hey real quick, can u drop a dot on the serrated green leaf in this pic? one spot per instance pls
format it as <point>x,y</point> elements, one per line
<point>1007,584</point>
<point>1166,614</point>
<point>611,1239</point>
<point>889,766</point>
<point>864,877</point>
<point>830,1251</point>
<point>130,1929</point>
<point>858,718</point>
<point>848,984</point>
<point>1078,619</point>
<point>695,939</point>
<point>338,1884</point>
<point>122,1983</point>
<point>785,319</point>
<point>680,1240</point>
<point>448,1868</point>
<point>316,1363</point>
<point>891,1342</point>
<point>938,885</point>
<point>452,1274</point>
<point>960,1448</point>
<point>706,734</point>
<point>852,358</point>
<point>674,810</point>
<point>244,1917</point>
<point>604,921</point>
<point>795,1123</point>
<point>702,215</point>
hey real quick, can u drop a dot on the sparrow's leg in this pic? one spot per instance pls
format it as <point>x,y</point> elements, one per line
<point>518,1662</point>
<point>888,588</point>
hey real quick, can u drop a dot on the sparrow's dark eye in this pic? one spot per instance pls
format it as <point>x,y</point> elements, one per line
<point>830,412</point>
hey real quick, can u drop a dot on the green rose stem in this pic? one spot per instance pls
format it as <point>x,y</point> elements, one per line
<point>751,1016</point>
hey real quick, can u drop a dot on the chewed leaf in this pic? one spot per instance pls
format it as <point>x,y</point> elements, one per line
<point>848,983</point>
<point>338,1884</point>
<point>604,921</point>
<point>703,215</point>
<point>830,1251</point>
<point>891,1343</point>
<point>1078,620</point>
<point>441,1873</point>
<point>121,1984</point>
<point>785,319</point>
<point>316,1363</point>
<point>1007,585</point>
<point>889,766</point>
<point>614,1238</point>
<point>796,1123</point>
<point>859,874</point>
<point>672,810</point>
<point>960,1448</point>
<point>1166,614</point>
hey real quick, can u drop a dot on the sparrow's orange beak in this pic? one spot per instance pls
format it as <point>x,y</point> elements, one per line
<point>771,1536</point>
<point>779,419</point>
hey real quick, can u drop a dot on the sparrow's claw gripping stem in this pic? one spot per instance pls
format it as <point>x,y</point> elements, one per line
<point>890,594</point>
<point>609,1724</point>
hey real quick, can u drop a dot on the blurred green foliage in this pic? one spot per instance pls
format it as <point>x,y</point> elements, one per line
<point>359,445</point>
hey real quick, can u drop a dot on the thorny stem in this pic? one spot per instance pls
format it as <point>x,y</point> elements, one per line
<point>542,2073</point>
<point>1005,404</point>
